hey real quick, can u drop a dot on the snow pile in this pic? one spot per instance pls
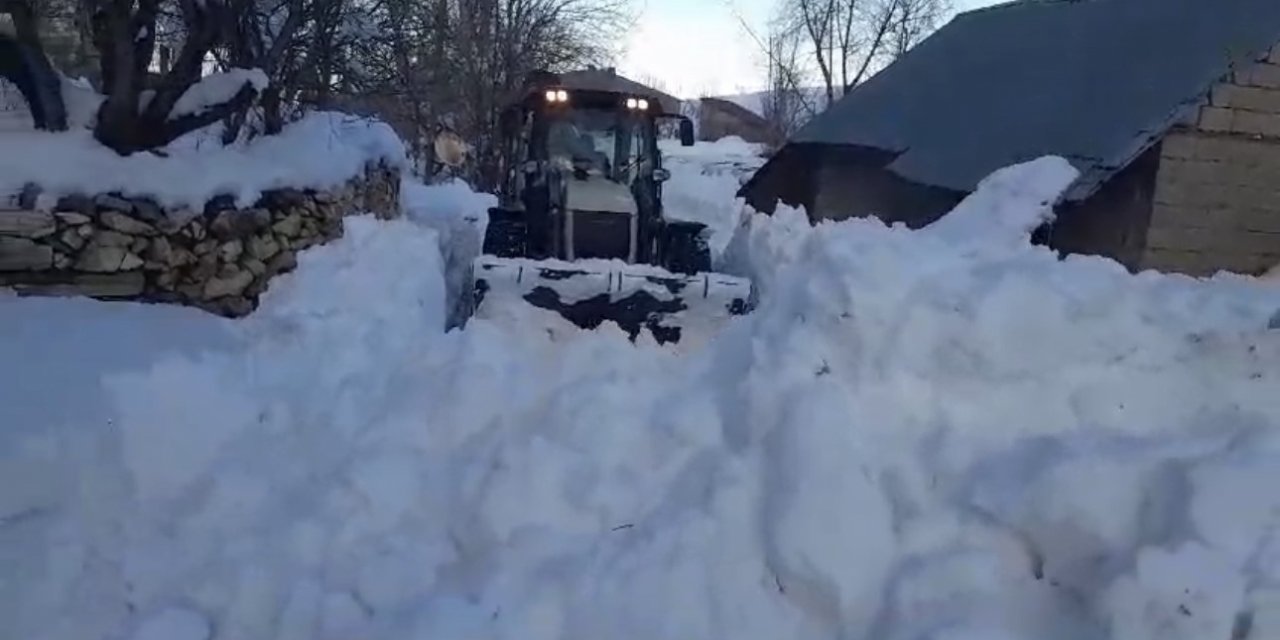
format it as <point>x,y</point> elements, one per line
<point>459,217</point>
<point>1023,448</point>
<point>322,150</point>
<point>730,156</point>
<point>175,482</point>
<point>215,89</point>
<point>760,247</point>
<point>704,183</point>
<point>917,435</point>
<point>725,150</point>
<point>82,102</point>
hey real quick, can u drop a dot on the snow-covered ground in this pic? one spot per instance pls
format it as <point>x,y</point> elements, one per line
<point>936,435</point>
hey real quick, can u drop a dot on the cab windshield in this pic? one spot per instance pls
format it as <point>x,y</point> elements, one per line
<point>597,142</point>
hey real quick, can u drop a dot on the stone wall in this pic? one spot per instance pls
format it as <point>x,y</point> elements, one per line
<point>219,259</point>
<point>1217,195</point>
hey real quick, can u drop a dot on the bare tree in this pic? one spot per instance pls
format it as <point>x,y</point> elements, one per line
<point>915,20</point>
<point>26,22</point>
<point>266,35</point>
<point>784,103</point>
<point>26,64</point>
<point>848,40</point>
<point>428,66</point>
<point>654,82</point>
<point>450,65</point>
<point>136,114</point>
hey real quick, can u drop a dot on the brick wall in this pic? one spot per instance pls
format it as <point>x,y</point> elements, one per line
<point>1217,196</point>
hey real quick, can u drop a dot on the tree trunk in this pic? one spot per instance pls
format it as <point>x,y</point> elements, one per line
<point>25,23</point>
<point>126,40</point>
<point>34,75</point>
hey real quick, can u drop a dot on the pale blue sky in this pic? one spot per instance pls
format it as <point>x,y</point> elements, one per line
<point>698,46</point>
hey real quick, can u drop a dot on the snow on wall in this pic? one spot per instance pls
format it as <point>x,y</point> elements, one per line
<point>916,435</point>
<point>321,151</point>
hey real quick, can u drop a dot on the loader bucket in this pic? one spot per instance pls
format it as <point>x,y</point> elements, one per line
<point>635,297</point>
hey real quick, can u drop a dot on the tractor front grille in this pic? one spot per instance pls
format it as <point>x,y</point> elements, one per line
<point>597,234</point>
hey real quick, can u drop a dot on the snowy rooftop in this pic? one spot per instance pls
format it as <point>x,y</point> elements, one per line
<point>1094,81</point>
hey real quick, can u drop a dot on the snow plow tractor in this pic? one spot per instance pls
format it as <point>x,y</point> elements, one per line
<point>580,228</point>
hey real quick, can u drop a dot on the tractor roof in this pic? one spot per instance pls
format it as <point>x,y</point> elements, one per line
<point>602,81</point>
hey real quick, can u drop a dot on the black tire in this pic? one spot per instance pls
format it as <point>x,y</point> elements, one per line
<point>684,247</point>
<point>507,235</point>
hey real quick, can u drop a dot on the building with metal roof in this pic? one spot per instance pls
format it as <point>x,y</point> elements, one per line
<point>719,118</point>
<point>1147,98</point>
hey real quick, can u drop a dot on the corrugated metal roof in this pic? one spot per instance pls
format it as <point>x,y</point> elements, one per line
<point>1094,81</point>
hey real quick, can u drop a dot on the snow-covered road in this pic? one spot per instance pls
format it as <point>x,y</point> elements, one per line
<point>934,435</point>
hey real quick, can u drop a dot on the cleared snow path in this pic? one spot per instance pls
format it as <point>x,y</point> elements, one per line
<point>942,435</point>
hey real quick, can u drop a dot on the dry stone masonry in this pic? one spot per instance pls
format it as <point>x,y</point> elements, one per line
<point>219,259</point>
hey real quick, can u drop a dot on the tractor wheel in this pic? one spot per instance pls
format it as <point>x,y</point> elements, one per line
<point>684,247</point>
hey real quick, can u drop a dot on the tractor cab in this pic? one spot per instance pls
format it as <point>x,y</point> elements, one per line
<point>612,136</point>
<point>583,170</point>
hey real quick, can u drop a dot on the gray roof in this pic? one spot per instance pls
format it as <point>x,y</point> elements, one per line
<point>1094,81</point>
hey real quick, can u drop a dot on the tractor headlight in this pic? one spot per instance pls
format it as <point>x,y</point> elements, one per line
<point>551,96</point>
<point>632,103</point>
<point>562,95</point>
<point>643,104</point>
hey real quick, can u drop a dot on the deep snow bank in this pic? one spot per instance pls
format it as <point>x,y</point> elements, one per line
<point>459,217</point>
<point>704,183</point>
<point>1045,449</point>
<point>918,435</point>
<point>170,470</point>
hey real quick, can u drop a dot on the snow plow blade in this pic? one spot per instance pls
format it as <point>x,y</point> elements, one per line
<point>635,297</point>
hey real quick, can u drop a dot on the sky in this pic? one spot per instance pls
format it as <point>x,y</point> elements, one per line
<point>700,47</point>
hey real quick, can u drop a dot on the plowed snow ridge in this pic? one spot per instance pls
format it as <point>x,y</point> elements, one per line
<point>945,434</point>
